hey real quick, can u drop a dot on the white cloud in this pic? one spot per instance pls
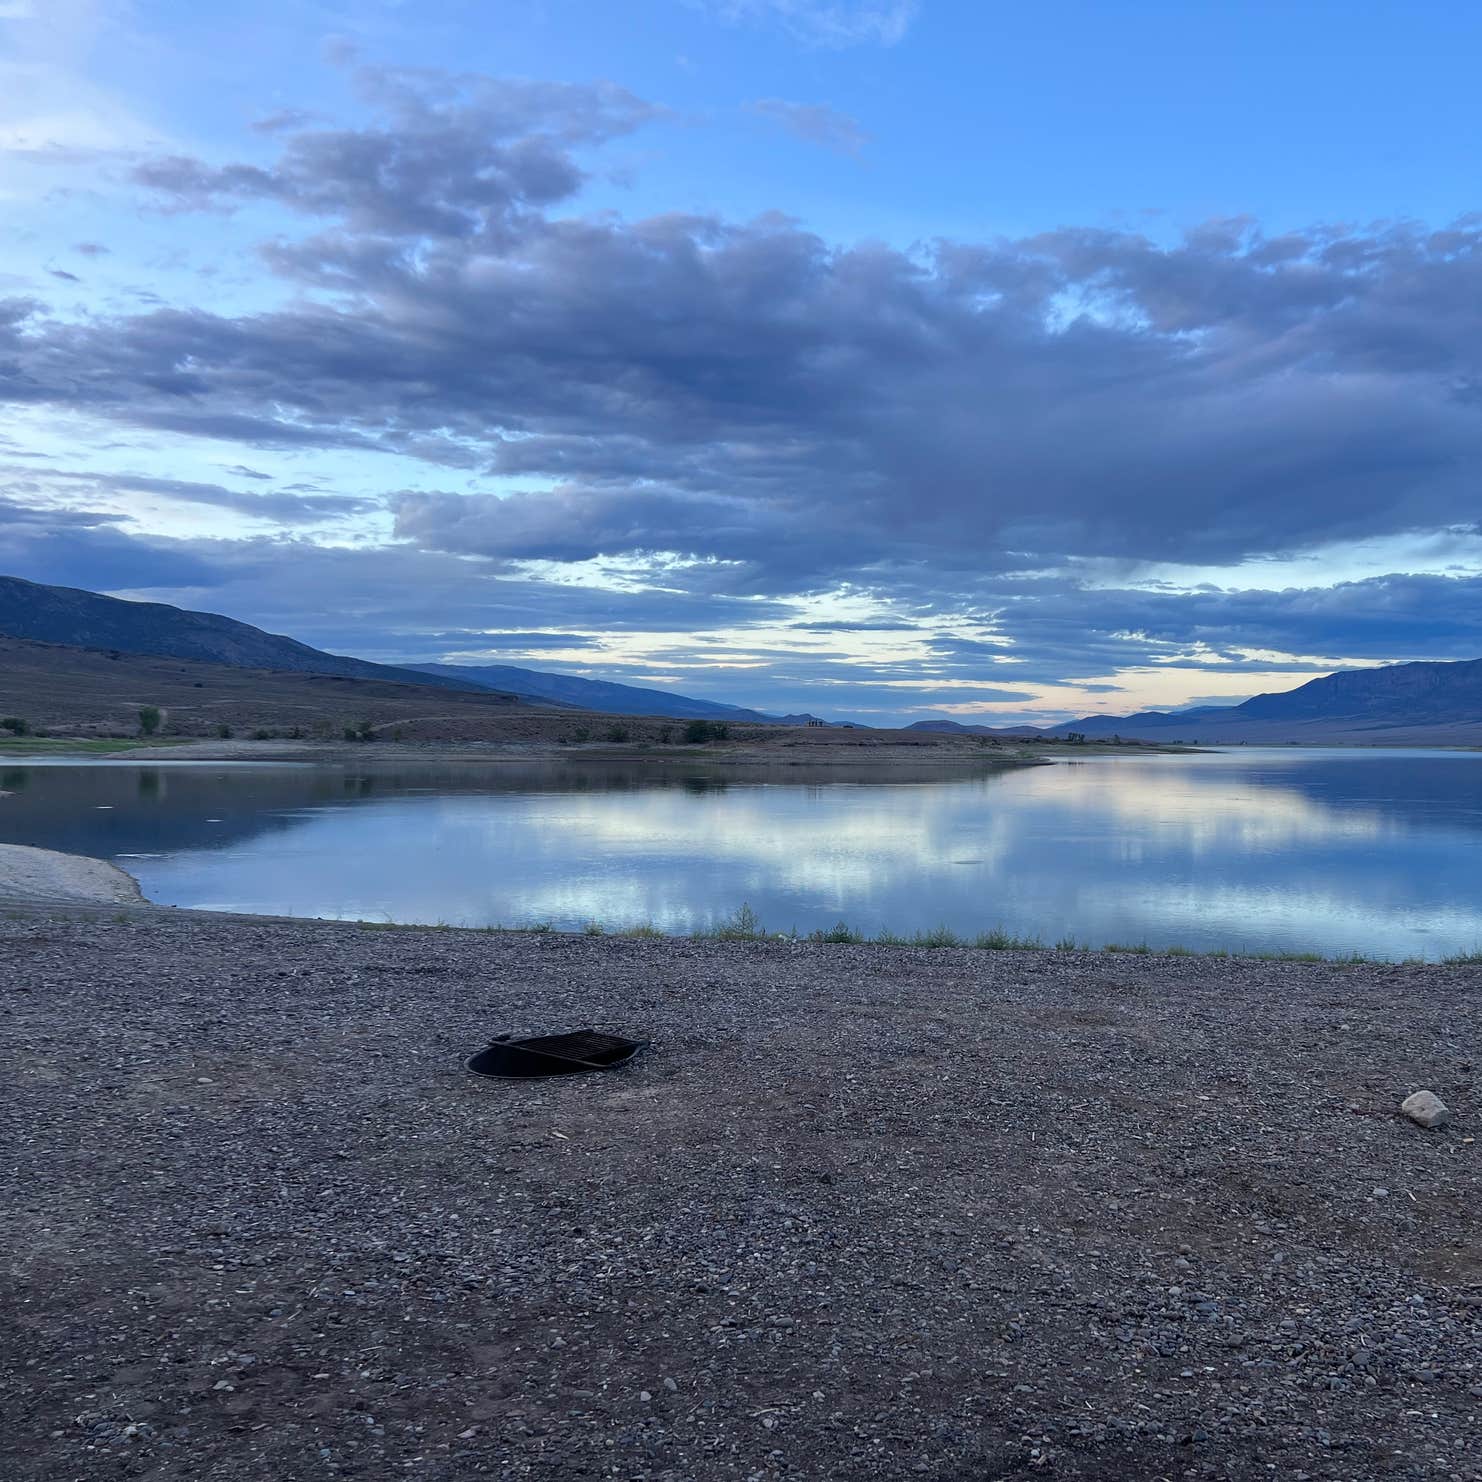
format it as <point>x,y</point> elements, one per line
<point>826,22</point>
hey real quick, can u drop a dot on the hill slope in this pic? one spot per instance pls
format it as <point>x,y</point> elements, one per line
<point>88,691</point>
<point>79,619</point>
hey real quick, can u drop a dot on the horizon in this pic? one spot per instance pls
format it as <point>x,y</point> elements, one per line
<point>885,360</point>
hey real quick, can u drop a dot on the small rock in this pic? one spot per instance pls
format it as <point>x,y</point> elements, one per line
<point>1425,1108</point>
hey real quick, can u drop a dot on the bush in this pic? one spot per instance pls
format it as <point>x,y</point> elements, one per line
<point>224,731</point>
<point>149,719</point>
<point>581,733</point>
<point>261,735</point>
<point>666,735</point>
<point>841,933</point>
<point>617,733</point>
<point>364,731</point>
<point>697,733</point>
<point>744,926</point>
<point>15,725</point>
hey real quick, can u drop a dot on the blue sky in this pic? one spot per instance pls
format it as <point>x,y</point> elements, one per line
<point>877,358</point>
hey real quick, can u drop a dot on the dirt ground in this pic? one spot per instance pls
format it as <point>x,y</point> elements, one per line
<point>857,1212</point>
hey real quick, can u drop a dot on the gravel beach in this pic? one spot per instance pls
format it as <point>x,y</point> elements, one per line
<point>858,1212</point>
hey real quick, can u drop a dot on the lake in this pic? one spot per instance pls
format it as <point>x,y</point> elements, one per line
<point>1251,849</point>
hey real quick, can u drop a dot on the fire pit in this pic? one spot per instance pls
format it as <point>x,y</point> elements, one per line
<point>508,1058</point>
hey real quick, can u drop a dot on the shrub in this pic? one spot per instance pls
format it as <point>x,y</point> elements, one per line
<point>617,733</point>
<point>149,719</point>
<point>15,725</point>
<point>224,731</point>
<point>581,733</point>
<point>666,735</point>
<point>261,735</point>
<point>744,926</point>
<point>840,932</point>
<point>697,733</point>
<point>938,936</point>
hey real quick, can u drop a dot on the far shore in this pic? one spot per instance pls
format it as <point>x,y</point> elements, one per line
<point>885,749</point>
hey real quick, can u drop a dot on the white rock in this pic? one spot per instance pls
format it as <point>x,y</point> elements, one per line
<point>1426,1108</point>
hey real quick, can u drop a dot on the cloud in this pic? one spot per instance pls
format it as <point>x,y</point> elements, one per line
<point>815,122</point>
<point>826,23</point>
<point>455,157</point>
<point>282,507</point>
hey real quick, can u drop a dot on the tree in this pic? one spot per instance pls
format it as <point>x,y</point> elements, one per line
<point>149,719</point>
<point>15,725</point>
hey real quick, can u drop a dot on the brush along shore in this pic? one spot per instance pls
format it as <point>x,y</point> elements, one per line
<point>859,1212</point>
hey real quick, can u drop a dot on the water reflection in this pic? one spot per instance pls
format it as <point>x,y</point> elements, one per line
<point>1266,850</point>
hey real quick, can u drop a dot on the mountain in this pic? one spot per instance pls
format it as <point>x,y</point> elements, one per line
<point>595,694</point>
<point>1436,702</point>
<point>60,690</point>
<point>79,619</point>
<point>956,728</point>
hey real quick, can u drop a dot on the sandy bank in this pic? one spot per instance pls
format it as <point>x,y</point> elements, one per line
<point>859,1213</point>
<point>44,877</point>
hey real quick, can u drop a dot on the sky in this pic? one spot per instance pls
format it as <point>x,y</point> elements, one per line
<point>879,358</point>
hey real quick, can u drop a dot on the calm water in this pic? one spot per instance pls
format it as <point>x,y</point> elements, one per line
<point>1331,851</point>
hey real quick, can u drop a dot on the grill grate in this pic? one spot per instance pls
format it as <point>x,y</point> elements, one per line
<point>590,1045</point>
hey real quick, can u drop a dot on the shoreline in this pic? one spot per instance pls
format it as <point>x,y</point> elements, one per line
<point>33,878</point>
<point>929,1212</point>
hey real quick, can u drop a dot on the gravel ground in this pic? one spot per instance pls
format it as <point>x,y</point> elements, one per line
<point>858,1213</point>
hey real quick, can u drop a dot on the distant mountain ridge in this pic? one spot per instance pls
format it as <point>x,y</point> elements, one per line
<point>82,619</point>
<point>1430,701</point>
<point>1355,704</point>
<point>600,694</point>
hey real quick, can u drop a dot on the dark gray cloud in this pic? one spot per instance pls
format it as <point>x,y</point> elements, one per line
<point>1073,393</point>
<point>815,122</point>
<point>280,506</point>
<point>448,157</point>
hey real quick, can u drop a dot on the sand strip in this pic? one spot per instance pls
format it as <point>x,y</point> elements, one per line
<point>45,877</point>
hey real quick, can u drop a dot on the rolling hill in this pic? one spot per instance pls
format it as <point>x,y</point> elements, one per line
<point>80,619</point>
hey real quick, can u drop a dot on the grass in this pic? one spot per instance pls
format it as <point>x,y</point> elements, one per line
<point>62,746</point>
<point>746,926</point>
